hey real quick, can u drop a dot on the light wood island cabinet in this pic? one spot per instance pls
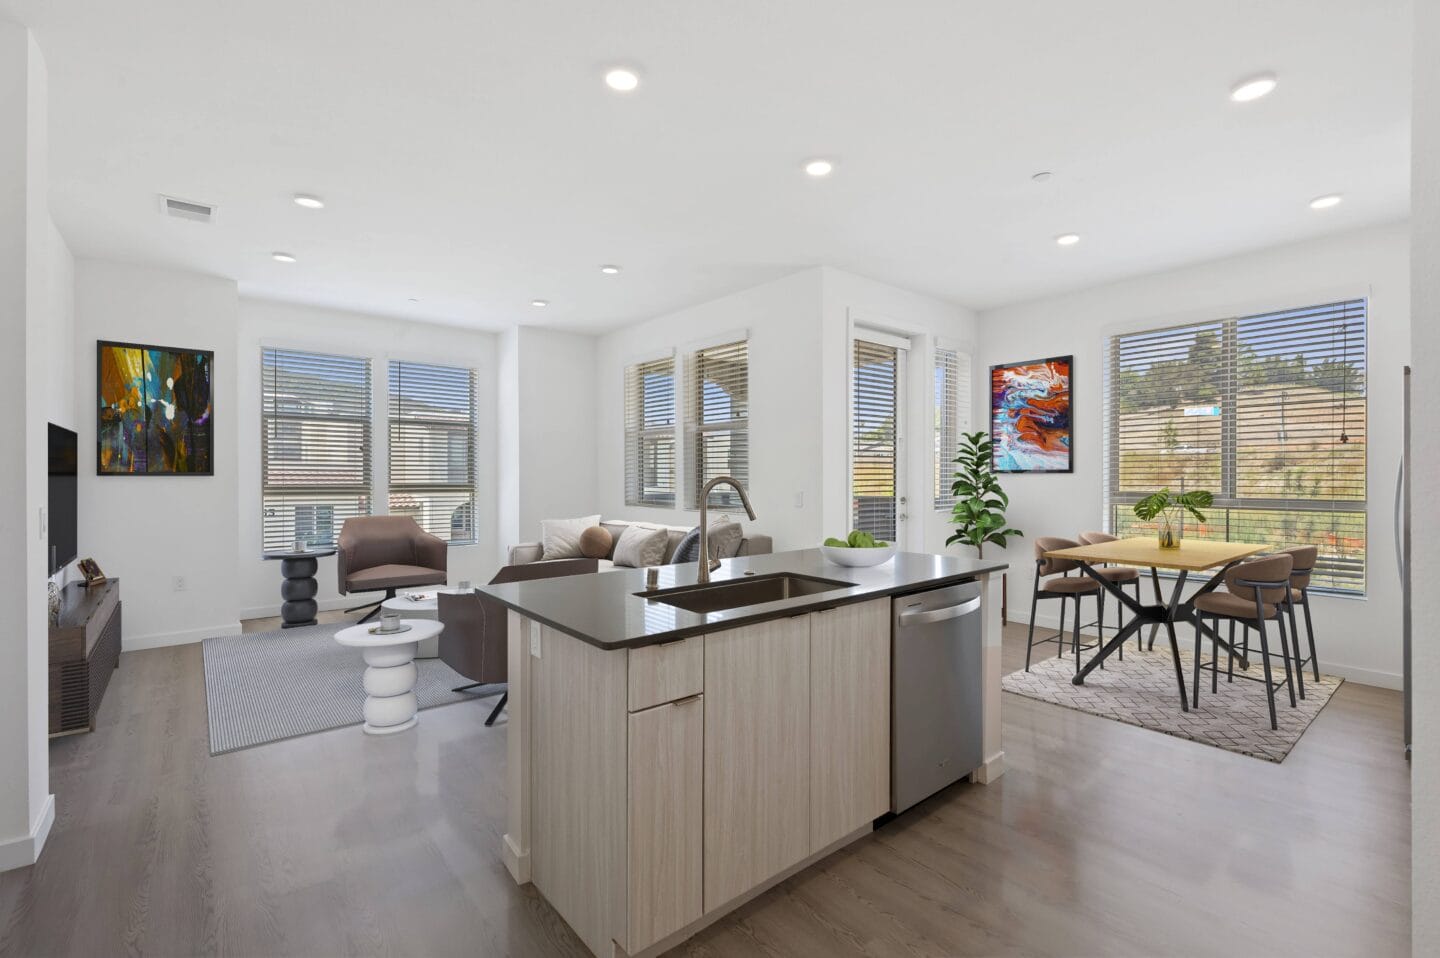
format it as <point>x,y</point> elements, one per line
<point>654,789</point>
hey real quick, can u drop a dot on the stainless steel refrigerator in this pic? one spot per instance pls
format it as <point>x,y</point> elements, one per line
<point>1402,546</point>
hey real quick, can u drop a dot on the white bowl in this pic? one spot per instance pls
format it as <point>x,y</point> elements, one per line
<point>858,557</point>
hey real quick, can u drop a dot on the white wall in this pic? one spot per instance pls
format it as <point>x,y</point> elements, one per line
<point>1425,484</point>
<point>263,323</point>
<point>1359,639</point>
<point>27,260</point>
<point>554,457</point>
<point>799,329</point>
<point>59,294</point>
<point>146,530</point>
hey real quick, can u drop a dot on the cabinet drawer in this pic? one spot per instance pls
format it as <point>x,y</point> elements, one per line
<point>666,672</point>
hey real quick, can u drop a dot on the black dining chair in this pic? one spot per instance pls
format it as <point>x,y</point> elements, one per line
<point>1254,593</point>
<point>1116,573</point>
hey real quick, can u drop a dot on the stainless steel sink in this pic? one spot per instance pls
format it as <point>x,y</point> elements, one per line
<point>738,593</point>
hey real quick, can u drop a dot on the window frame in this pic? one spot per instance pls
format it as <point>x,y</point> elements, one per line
<point>469,486</point>
<point>697,428</point>
<point>320,496</point>
<point>1227,497</point>
<point>953,422</point>
<point>639,437</point>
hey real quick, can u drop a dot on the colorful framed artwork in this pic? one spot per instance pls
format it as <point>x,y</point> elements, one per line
<point>155,414</point>
<point>1031,424</point>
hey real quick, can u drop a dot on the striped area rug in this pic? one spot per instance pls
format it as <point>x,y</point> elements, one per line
<point>1141,691</point>
<point>267,686</point>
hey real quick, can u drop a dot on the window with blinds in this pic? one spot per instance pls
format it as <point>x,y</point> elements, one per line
<point>718,422</point>
<point>432,448</point>
<point>952,417</point>
<point>1268,412</point>
<point>874,438</point>
<point>314,446</point>
<point>650,433</point>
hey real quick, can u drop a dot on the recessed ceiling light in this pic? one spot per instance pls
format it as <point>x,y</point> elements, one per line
<point>819,167</point>
<point>309,201</point>
<point>282,257</point>
<point>1253,88</point>
<point>622,79</point>
<point>609,270</point>
<point>1068,239</point>
<point>539,303</point>
<point>1042,176</point>
<point>1326,201</point>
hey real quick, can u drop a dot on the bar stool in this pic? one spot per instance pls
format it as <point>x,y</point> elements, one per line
<point>1305,558</point>
<point>1255,593</point>
<point>1116,574</point>
<point>1063,586</point>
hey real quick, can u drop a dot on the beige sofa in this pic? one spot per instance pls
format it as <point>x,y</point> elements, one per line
<point>750,544</point>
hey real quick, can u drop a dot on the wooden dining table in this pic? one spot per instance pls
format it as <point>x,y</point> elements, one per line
<point>1193,555</point>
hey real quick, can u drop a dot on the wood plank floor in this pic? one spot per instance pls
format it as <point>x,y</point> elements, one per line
<point>1100,839</point>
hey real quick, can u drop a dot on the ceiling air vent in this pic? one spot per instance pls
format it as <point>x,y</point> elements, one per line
<point>187,209</point>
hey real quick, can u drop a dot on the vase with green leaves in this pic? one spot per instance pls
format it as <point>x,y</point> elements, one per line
<point>980,503</point>
<point>1168,510</point>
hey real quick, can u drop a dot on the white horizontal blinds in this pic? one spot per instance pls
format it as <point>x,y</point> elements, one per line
<point>650,433</point>
<point>952,418</point>
<point>874,438</point>
<point>1268,412</point>
<point>314,446</point>
<point>718,421</point>
<point>432,448</point>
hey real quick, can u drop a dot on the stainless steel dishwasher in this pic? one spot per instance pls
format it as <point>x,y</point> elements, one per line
<point>937,713</point>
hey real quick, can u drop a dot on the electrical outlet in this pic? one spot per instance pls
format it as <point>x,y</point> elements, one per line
<point>799,500</point>
<point>179,583</point>
<point>44,524</point>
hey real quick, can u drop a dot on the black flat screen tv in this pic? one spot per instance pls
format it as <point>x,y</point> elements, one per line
<point>64,476</point>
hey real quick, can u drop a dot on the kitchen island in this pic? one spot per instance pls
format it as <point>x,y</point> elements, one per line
<point>673,752</point>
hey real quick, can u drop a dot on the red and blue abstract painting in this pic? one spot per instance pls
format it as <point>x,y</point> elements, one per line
<point>1030,416</point>
<point>155,415</point>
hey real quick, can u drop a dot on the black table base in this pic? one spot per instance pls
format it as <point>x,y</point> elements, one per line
<point>1156,616</point>
<point>298,589</point>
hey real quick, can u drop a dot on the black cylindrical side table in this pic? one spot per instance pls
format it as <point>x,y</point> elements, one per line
<point>298,586</point>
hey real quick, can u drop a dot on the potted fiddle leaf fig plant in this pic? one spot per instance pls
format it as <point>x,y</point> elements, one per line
<point>1168,510</point>
<point>980,503</point>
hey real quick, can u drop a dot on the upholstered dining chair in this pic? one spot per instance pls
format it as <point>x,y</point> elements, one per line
<point>475,640</point>
<point>375,553</point>
<point>1118,574</point>
<point>1254,593</point>
<point>1305,559</point>
<point>1063,586</point>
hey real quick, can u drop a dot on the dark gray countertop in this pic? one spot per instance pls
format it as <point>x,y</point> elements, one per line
<point>602,608</point>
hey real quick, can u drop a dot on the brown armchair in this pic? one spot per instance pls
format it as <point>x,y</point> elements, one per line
<point>377,553</point>
<point>475,640</point>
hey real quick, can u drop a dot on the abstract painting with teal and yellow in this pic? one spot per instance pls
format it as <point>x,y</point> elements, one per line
<point>155,411</point>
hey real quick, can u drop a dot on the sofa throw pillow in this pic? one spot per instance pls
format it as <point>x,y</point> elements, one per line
<point>725,539</point>
<point>688,548</point>
<point>560,538</point>
<point>595,542</point>
<point>638,547</point>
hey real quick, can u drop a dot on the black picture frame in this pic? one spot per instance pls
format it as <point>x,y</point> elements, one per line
<point>1069,361</point>
<point>100,425</point>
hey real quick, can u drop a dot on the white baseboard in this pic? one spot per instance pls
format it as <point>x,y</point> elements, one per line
<point>160,640</point>
<point>25,851</point>
<point>325,605</point>
<point>1350,673</point>
<point>993,768</point>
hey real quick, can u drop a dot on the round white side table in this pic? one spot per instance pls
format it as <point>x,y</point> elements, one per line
<point>390,674</point>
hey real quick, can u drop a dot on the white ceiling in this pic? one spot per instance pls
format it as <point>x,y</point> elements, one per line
<point>472,158</point>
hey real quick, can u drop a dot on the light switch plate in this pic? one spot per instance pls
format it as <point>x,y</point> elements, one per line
<point>535,642</point>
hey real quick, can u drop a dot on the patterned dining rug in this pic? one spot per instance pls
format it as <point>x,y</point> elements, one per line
<point>267,686</point>
<point>1141,691</point>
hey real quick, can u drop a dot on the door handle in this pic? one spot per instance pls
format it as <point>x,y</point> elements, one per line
<point>939,615</point>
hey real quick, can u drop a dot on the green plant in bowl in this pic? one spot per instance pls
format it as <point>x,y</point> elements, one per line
<point>856,540</point>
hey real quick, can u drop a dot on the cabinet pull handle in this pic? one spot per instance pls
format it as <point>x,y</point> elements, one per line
<point>687,699</point>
